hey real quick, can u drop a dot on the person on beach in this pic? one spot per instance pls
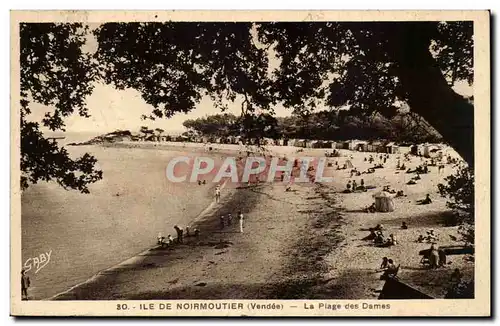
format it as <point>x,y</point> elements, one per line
<point>161,239</point>
<point>229,219</point>
<point>433,257</point>
<point>390,271</point>
<point>170,240</point>
<point>456,276</point>
<point>379,238</point>
<point>222,222</point>
<point>179,233</point>
<point>385,262</point>
<point>392,240</point>
<point>25,284</point>
<point>240,218</point>
<point>217,193</point>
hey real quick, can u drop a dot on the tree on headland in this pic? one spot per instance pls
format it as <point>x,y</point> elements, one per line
<point>146,131</point>
<point>219,125</point>
<point>159,131</point>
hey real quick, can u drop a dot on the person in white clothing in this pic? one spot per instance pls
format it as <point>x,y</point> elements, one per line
<point>217,194</point>
<point>240,218</point>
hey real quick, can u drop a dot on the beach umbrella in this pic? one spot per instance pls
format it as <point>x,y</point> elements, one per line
<point>383,202</point>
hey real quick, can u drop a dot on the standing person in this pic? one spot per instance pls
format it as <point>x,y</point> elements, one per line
<point>385,262</point>
<point>229,219</point>
<point>222,222</point>
<point>217,193</point>
<point>25,284</point>
<point>179,233</point>
<point>433,257</point>
<point>240,218</point>
<point>390,271</point>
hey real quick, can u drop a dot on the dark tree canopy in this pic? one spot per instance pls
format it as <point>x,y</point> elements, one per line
<point>366,66</point>
<point>54,72</point>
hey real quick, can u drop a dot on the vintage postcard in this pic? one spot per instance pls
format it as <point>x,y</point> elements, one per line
<point>250,163</point>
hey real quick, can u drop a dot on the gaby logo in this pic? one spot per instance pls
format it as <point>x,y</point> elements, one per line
<point>38,262</point>
<point>250,169</point>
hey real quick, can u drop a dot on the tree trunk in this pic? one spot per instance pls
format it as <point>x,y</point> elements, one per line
<point>429,94</point>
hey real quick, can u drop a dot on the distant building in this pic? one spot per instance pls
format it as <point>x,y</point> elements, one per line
<point>391,148</point>
<point>360,146</point>
<point>300,143</point>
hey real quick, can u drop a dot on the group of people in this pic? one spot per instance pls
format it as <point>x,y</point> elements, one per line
<point>353,186</point>
<point>389,269</point>
<point>377,236</point>
<point>382,158</point>
<point>434,257</point>
<point>169,240</point>
<point>228,220</point>
<point>431,237</point>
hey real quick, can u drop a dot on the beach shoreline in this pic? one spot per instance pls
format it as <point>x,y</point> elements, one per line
<point>300,244</point>
<point>261,195</point>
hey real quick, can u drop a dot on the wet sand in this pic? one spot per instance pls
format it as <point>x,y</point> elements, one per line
<point>120,218</point>
<point>305,243</point>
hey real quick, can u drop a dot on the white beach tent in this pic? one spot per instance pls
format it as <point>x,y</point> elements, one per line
<point>383,202</point>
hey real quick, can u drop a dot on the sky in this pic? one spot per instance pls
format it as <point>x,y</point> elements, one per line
<point>111,109</point>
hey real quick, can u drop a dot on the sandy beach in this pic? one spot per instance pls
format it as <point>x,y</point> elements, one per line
<point>121,217</point>
<point>304,243</point>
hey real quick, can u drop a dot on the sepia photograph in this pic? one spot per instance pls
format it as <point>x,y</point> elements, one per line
<point>209,164</point>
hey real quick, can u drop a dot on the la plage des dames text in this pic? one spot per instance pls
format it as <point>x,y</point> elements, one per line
<point>332,306</point>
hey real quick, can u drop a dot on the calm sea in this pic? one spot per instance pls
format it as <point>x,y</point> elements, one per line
<point>86,233</point>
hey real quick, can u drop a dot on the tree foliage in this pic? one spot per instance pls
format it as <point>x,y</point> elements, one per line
<point>322,125</point>
<point>459,188</point>
<point>54,72</point>
<point>214,125</point>
<point>366,67</point>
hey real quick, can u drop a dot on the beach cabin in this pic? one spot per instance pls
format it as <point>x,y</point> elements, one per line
<point>316,144</point>
<point>391,148</point>
<point>430,150</point>
<point>330,144</point>
<point>343,145</point>
<point>300,143</point>
<point>374,147</point>
<point>361,146</point>
<point>267,141</point>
